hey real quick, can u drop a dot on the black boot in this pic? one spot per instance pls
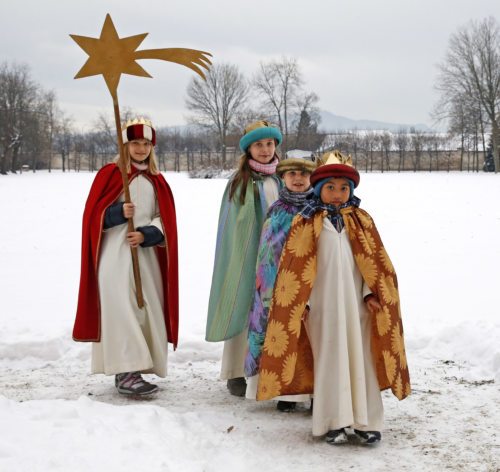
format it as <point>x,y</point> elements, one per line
<point>237,386</point>
<point>368,437</point>
<point>336,436</point>
<point>286,406</point>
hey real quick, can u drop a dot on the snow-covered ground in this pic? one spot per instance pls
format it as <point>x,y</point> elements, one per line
<point>442,232</point>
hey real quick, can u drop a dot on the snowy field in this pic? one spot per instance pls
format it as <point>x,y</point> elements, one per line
<point>442,232</point>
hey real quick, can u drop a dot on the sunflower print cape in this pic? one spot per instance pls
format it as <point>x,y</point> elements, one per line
<point>286,365</point>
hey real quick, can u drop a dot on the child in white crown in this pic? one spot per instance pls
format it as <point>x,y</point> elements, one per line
<point>129,341</point>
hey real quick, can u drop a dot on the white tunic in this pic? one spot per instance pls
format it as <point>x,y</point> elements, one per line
<point>132,339</point>
<point>346,391</point>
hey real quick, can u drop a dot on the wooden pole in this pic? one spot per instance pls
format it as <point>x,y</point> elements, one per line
<point>126,192</point>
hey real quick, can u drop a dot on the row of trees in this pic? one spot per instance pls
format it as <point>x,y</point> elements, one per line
<point>195,151</point>
<point>33,129</point>
<point>406,150</point>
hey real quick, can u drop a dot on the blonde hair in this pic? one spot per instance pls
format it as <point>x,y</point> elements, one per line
<point>151,160</point>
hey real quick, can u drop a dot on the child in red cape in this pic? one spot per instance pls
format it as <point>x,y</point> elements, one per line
<point>127,340</point>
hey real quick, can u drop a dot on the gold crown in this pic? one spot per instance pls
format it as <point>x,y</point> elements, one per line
<point>257,124</point>
<point>137,121</point>
<point>336,157</point>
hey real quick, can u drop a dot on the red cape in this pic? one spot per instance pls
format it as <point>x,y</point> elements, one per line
<point>105,190</point>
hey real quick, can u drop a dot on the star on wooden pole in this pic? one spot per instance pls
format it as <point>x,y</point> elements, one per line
<point>112,56</point>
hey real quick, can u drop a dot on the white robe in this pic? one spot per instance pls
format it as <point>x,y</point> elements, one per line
<point>346,390</point>
<point>235,349</point>
<point>132,339</point>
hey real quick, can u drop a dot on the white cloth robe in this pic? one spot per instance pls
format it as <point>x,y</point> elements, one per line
<point>346,390</point>
<point>132,339</point>
<point>235,349</point>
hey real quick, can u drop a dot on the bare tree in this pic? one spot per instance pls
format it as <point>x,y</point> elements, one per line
<point>385,148</point>
<point>18,93</point>
<point>217,101</point>
<point>278,83</point>
<point>63,141</point>
<point>417,142</point>
<point>53,114</point>
<point>472,69</point>
<point>401,142</point>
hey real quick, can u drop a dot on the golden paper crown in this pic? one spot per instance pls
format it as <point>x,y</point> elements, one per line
<point>336,157</point>
<point>137,121</point>
<point>335,164</point>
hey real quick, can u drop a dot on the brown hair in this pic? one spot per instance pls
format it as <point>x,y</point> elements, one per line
<point>151,160</point>
<point>241,178</point>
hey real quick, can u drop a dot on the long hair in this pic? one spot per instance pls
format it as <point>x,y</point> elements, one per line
<point>151,160</point>
<point>241,178</point>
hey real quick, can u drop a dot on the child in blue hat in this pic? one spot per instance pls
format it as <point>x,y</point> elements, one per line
<point>248,194</point>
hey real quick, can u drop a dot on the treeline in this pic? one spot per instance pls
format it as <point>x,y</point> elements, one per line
<point>35,133</point>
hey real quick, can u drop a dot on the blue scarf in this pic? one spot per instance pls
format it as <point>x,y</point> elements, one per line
<point>315,204</point>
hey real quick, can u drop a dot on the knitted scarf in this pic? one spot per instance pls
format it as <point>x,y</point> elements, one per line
<point>298,199</point>
<point>266,169</point>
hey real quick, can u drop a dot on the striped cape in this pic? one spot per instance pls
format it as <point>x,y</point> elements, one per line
<point>233,279</point>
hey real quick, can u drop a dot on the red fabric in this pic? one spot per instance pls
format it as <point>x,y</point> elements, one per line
<point>335,170</point>
<point>105,190</point>
<point>137,132</point>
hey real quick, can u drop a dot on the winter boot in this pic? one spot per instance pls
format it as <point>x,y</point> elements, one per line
<point>132,383</point>
<point>336,436</point>
<point>286,406</point>
<point>237,386</point>
<point>368,437</point>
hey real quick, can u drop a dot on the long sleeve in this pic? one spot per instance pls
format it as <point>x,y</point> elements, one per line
<point>114,215</point>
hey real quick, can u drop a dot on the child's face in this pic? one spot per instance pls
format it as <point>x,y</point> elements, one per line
<point>263,150</point>
<point>297,180</point>
<point>335,192</point>
<point>140,149</point>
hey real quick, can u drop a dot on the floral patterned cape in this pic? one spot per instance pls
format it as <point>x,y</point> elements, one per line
<point>286,365</point>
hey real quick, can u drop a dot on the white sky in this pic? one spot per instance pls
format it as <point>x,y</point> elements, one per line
<point>366,59</point>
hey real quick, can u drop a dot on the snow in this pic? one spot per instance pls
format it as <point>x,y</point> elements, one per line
<point>441,231</point>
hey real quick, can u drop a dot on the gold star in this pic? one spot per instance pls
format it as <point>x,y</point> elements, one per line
<point>111,56</point>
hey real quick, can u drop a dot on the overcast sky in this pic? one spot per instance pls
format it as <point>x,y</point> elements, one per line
<point>366,59</point>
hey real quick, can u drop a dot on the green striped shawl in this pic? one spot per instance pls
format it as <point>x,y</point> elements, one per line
<point>233,280</point>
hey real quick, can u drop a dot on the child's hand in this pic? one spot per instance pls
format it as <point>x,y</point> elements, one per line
<point>128,210</point>
<point>373,304</point>
<point>305,315</point>
<point>134,238</point>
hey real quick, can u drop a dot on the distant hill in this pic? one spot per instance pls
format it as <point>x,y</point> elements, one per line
<point>331,122</point>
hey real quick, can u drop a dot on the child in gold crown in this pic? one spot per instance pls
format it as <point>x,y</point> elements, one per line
<point>335,274</point>
<point>129,341</point>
